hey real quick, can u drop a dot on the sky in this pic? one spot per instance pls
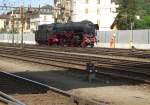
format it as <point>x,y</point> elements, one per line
<point>16,3</point>
<point>26,2</point>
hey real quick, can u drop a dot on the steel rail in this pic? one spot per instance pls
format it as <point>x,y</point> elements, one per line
<point>112,61</point>
<point>79,100</point>
<point>99,51</point>
<point>78,61</point>
<point>122,63</point>
<point>77,64</point>
<point>86,55</point>
<point>102,51</point>
<point>59,57</point>
<point>83,68</point>
<point>10,100</point>
<point>4,100</point>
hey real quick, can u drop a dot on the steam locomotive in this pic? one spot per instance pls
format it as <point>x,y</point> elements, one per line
<point>72,34</point>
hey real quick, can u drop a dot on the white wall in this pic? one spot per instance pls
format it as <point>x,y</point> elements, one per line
<point>2,23</point>
<point>105,15</point>
<point>46,19</point>
<point>41,19</point>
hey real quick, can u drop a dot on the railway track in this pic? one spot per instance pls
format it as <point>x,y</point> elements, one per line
<point>26,90</point>
<point>139,53</point>
<point>8,100</point>
<point>137,69</point>
<point>99,51</point>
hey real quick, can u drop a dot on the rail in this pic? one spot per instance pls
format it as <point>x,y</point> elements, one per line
<point>131,68</point>
<point>75,99</point>
<point>9,100</point>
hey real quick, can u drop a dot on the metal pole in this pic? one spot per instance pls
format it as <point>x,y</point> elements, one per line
<point>132,30</point>
<point>22,36</point>
<point>22,23</point>
<point>131,37</point>
<point>148,36</point>
<point>13,29</point>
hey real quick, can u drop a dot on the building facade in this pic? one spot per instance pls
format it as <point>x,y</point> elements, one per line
<point>62,10</point>
<point>101,12</point>
<point>11,21</point>
<point>12,24</point>
<point>2,23</point>
<point>40,19</point>
<point>41,16</point>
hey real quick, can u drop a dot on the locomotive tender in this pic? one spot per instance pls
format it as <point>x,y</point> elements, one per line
<point>72,34</point>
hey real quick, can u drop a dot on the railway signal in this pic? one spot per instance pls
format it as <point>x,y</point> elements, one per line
<point>90,67</point>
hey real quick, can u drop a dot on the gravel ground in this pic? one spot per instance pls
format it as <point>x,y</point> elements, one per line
<point>31,94</point>
<point>1,103</point>
<point>112,91</point>
<point>49,98</point>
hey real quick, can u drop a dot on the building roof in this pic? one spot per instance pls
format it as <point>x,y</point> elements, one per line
<point>47,9</point>
<point>30,11</point>
<point>4,16</point>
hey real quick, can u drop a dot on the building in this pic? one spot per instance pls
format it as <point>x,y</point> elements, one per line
<point>100,12</point>
<point>41,16</point>
<point>2,23</point>
<point>62,10</point>
<point>13,23</point>
<point>3,18</point>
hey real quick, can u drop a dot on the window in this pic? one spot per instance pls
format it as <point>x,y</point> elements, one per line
<point>86,11</point>
<point>98,1</point>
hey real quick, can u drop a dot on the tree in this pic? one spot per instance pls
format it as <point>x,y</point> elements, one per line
<point>143,23</point>
<point>126,14</point>
<point>144,13</point>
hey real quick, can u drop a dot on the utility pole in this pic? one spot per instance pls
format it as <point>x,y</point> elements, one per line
<point>22,23</point>
<point>13,29</point>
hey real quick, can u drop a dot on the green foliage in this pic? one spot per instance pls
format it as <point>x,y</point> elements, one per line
<point>129,9</point>
<point>143,23</point>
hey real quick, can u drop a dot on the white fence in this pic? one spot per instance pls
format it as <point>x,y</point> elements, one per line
<point>125,38</point>
<point>29,38</point>
<point>139,38</point>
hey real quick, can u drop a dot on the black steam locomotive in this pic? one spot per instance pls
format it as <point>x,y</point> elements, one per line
<point>67,34</point>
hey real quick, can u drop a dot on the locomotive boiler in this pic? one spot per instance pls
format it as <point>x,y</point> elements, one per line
<point>75,34</point>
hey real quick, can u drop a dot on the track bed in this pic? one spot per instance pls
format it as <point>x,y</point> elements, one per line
<point>31,94</point>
